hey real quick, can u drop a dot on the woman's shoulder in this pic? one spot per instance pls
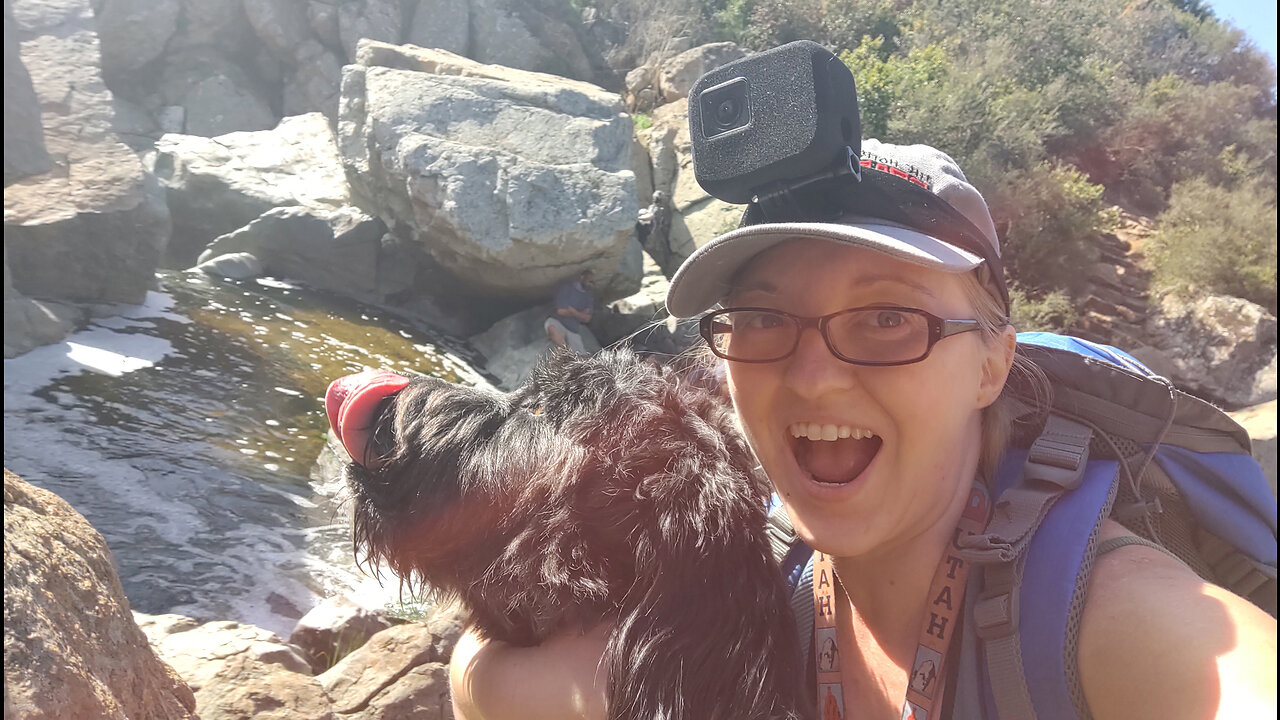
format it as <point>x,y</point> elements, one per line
<point>560,678</point>
<point>1158,641</point>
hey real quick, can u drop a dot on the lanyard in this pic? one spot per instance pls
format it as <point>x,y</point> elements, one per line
<point>946,600</point>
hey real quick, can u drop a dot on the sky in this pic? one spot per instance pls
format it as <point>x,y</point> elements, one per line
<point>1256,17</point>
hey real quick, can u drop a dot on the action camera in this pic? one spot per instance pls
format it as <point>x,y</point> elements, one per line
<point>772,120</point>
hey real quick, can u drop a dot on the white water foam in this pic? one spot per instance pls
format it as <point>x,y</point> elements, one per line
<point>265,572</point>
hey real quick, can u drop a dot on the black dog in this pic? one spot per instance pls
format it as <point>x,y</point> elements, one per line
<point>604,488</point>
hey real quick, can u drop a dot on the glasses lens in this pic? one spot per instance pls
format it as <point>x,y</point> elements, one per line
<point>879,335</point>
<point>752,335</point>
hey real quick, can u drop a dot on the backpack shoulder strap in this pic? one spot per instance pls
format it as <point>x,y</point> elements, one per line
<point>1035,560</point>
<point>802,608</point>
<point>1116,543</point>
<point>796,562</point>
<point>781,533</point>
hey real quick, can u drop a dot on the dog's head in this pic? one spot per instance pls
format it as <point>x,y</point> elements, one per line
<point>517,499</point>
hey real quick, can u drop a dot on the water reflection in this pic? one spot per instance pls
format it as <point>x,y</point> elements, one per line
<point>198,469</point>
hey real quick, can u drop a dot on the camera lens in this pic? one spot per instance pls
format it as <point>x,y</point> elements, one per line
<point>727,112</point>
<point>725,107</point>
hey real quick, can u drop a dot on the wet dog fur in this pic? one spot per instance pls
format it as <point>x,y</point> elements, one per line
<point>604,488</point>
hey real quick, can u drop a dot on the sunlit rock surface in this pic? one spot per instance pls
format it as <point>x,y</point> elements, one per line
<point>1217,347</point>
<point>71,647</point>
<point>218,185</point>
<point>92,228</point>
<point>24,151</point>
<point>513,181</point>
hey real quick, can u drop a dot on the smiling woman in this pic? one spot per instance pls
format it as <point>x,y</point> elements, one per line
<point>868,363</point>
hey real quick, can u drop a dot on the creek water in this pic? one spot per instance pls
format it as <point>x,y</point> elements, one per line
<point>190,432</point>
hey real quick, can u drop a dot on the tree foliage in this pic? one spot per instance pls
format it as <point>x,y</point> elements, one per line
<point>1218,239</point>
<point>1057,109</point>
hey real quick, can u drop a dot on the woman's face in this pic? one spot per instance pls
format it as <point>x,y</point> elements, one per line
<point>912,432</point>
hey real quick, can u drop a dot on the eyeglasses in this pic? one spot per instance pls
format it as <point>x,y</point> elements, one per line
<point>880,335</point>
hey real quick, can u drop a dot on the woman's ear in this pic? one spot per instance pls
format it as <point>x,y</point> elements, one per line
<point>996,365</point>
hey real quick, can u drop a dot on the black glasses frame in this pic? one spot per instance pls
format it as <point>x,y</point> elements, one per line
<point>939,328</point>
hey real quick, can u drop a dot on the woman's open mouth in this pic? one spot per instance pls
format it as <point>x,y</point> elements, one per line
<point>833,454</point>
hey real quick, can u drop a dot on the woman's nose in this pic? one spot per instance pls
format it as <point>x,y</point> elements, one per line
<point>812,371</point>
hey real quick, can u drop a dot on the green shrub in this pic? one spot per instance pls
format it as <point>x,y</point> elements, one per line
<point>642,121</point>
<point>1178,130</point>
<point>885,81</point>
<point>1048,217</point>
<point>1052,312</point>
<point>1218,240</point>
<point>762,24</point>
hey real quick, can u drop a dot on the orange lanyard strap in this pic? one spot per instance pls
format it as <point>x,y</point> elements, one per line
<point>925,687</point>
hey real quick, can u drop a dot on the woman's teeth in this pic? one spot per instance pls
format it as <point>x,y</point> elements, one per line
<point>828,432</point>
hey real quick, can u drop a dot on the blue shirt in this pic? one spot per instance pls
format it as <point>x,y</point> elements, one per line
<point>572,295</point>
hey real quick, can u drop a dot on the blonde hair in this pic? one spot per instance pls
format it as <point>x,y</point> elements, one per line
<point>998,417</point>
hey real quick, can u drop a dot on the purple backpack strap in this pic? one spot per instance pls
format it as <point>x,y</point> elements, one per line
<point>1054,582</point>
<point>1028,611</point>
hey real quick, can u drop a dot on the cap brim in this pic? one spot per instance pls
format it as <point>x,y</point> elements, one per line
<point>704,279</point>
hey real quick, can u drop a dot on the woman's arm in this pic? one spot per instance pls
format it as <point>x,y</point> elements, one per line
<point>560,678</point>
<point>1157,641</point>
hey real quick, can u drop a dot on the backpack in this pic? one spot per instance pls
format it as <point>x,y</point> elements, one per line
<point>1116,441</point>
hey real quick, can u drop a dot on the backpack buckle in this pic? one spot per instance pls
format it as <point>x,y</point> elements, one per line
<point>1059,455</point>
<point>996,616</point>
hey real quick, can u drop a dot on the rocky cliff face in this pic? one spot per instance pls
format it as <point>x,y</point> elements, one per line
<point>24,151</point>
<point>71,648</point>
<point>210,67</point>
<point>92,228</point>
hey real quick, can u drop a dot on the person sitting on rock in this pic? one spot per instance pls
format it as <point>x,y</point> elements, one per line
<point>654,227</point>
<point>573,306</point>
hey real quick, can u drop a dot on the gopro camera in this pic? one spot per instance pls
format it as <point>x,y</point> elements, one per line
<point>772,121</point>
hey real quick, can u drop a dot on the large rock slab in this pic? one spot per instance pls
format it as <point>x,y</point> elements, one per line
<point>313,71</point>
<point>29,323</point>
<point>511,180</point>
<point>327,249</point>
<point>677,75</point>
<point>216,94</point>
<point>238,671</point>
<point>24,151</point>
<point>211,23</point>
<point>399,672</point>
<point>135,32</point>
<point>1220,348</point>
<point>71,648</point>
<point>333,628</point>
<point>380,20</point>
<point>537,35</point>
<point>218,185</point>
<point>442,24</point>
<point>92,229</point>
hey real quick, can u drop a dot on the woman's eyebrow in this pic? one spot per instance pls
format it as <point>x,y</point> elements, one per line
<point>896,280</point>
<point>763,285</point>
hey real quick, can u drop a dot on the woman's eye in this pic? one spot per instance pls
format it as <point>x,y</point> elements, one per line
<point>763,321</point>
<point>889,319</point>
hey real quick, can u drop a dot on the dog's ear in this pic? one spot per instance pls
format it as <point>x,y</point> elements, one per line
<point>427,498</point>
